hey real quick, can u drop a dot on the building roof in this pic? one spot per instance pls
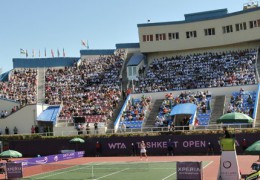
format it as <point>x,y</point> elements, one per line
<point>127,45</point>
<point>135,59</point>
<point>44,62</point>
<point>97,52</point>
<point>201,16</point>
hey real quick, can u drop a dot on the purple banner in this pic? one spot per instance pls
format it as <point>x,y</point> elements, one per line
<point>121,146</point>
<point>189,170</point>
<point>14,170</point>
<point>51,158</point>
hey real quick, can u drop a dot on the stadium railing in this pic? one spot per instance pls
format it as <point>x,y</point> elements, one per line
<point>166,129</point>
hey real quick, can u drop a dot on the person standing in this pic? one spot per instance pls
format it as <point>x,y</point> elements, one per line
<point>15,130</point>
<point>98,149</point>
<point>123,128</point>
<point>170,148</point>
<point>244,145</point>
<point>133,146</point>
<point>143,151</point>
<point>32,129</point>
<point>6,130</point>
<point>96,127</point>
<point>210,149</point>
<point>87,128</point>
<point>226,132</point>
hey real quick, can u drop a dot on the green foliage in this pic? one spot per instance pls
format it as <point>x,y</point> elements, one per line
<point>206,132</point>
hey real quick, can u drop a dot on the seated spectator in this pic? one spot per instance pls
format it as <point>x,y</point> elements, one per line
<point>249,99</point>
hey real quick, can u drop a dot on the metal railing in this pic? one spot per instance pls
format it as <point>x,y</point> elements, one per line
<point>160,129</point>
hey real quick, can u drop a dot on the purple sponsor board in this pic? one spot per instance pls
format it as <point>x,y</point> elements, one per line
<point>51,158</point>
<point>189,170</point>
<point>14,170</point>
<point>121,146</point>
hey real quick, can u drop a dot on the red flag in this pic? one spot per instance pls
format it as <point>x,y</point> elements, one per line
<point>52,53</point>
<point>83,43</point>
<point>63,52</point>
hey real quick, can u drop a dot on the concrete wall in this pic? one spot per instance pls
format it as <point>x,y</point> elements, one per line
<point>201,41</point>
<point>248,45</point>
<point>214,91</point>
<point>7,105</point>
<point>22,119</point>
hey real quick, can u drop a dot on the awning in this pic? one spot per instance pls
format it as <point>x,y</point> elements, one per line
<point>50,114</point>
<point>186,108</point>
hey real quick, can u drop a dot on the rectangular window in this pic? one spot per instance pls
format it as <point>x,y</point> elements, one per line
<point>129,70</point>
<point>227,29</point>
<point>209,32</point>
<point>134,70</point>
<point>147,38</point>
<point>258,22</point>
<point>151,37</point>
<point>191,34</point>
<point>144,38</point>
<point>177,35</point>
<point>241,26</point>
<point>160,37</point>
<point>244,25</point>
<point>255,23</point>
<point>170,36</point>
<point>164,36</point>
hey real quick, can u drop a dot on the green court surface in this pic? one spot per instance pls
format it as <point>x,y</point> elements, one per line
<point>142,170</point>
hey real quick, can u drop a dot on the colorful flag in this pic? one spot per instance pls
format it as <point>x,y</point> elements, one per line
<point>33,53</point>
<point>87,45</point>
<point>63,52</point>
<point>58,52</point>
<point>52,53</point>
<point>22,51</point>
<point>83,43</point>
<point>45,52</point>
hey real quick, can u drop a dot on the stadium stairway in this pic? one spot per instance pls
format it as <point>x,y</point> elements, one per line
<point>150,121</point>
<point>257,120</point>
<point>110,124</point>
<point>41,85</point>
<point>258,65</point>
<point>218,109</point>
<point>124,73</point>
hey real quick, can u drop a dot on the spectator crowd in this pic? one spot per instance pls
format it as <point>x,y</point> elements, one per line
<point>203,70</point>
<point>91,87</point>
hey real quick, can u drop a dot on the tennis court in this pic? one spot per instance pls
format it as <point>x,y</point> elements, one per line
<point>112,171</point>
<point>128,168</point>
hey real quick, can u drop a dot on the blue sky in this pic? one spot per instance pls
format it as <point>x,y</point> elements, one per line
<point>58,24</point>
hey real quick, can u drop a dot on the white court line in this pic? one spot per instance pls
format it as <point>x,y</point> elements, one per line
<point>169,176</point>
<point>43,177</point>
<point>176,172</point>
<point>113,173</point>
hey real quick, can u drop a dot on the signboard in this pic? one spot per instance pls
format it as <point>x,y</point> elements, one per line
<point>14,170</point>
<point>189,170</point>
<point>229,169</point>
<point>51,158</point>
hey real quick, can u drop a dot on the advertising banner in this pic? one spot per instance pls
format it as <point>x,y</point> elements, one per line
<point>14,170</point>
<point>229,168</point>
<point>51,158</point>
<point>189,171</point>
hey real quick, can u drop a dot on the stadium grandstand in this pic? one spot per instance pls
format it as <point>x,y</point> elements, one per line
<point>181,75</point>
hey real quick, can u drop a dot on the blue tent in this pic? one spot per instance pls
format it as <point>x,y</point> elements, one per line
<point>186,108</point>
